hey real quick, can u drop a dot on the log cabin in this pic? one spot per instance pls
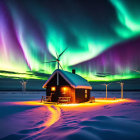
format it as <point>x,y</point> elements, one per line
<point>67,87</point>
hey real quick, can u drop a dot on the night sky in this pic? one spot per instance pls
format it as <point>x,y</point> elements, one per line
<point>102,36</point>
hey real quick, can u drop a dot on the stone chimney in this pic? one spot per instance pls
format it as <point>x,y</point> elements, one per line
<point>73,71</point>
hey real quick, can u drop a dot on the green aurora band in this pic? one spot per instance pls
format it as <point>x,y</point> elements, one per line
<point>31,32</point>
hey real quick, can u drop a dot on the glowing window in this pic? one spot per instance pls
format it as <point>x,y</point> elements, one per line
<point>85,95</point>
<point>64,89</point>
<point>53,89</point>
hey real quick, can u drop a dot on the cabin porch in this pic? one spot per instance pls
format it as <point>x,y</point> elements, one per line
<point>47,99</point>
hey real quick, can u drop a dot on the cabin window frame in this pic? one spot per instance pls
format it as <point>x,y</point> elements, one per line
<point>64,89</point>
<point>86,93</point>
<point>53,89</point>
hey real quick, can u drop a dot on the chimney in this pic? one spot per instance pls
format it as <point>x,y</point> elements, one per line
<point>73,71</point>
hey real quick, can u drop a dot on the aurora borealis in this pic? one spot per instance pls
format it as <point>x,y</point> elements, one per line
<point>102,36</point>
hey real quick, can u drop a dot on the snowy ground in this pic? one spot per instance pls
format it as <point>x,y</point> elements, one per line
<point>22,116</point>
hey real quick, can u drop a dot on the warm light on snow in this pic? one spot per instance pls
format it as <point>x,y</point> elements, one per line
<point>98,102</point>
<point>36,120</point>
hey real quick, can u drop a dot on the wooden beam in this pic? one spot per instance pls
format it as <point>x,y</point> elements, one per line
<point>57,78</point>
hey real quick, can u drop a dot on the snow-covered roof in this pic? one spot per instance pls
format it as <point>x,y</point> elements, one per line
<point>74,80</point>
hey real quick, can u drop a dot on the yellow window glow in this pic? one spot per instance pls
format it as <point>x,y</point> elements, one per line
<point>64,89</point>
<point>85,95</point>
<point>53,89</point>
